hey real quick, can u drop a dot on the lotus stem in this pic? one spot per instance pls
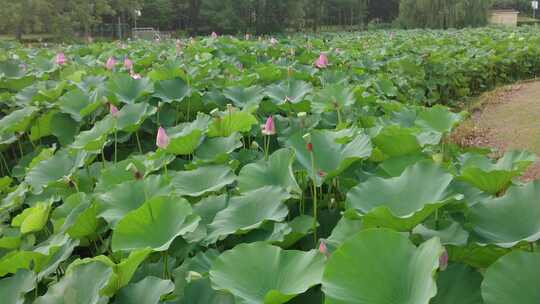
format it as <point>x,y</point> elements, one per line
<point>103,157</point>
<point>266,147</point>
<point>165,265</point>
<point>20,148</point>
<point>314,197</point>
<point>115,143</point>
<point>189,110</point>
<point>138,141</point>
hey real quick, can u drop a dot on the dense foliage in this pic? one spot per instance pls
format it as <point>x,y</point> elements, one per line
<point>140,172</point>
<point>443,13</point>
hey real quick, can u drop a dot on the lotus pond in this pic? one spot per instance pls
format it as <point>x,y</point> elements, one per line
<point>308,169</point>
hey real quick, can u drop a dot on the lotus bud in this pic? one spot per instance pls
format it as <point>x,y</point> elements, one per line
<point>60,59</point>
<point>128,64</point>
<point>273,41</point>
<point>323,249</point>
<point>111,62</point>
<point>269,128</point>
<point>443,261</point>
<point>214,35</point>
<point>162,139</point>
<point>322,62</point>
<point>113,110</point>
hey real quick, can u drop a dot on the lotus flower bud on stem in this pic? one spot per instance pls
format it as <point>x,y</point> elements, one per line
<point>111,62</point>
<point>269,128</point>
<point>113,110</point>
<point>162,139</point>
<point>322,61</point>
<point>323,249</point>
<point>60,59</point>
<point>443,260</point>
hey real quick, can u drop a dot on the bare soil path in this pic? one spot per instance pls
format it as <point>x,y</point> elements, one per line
<point>506,119</point>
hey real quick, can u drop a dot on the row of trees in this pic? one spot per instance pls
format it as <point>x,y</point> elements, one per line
<point>66,17</point>
<point>444,13</point>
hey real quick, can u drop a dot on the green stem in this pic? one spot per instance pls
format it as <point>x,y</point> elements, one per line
<point>189,110</point>
<point>4,162</point>
<point>266,147</point>
<point>115,144</point>
<point>165,265</point>
<point>30,140</point>
<point>314,198</point>
<point>103,157</point>
<point>339,117</point>
<point>138,141</point>
<point>531,246</point>
<point>20,148</point>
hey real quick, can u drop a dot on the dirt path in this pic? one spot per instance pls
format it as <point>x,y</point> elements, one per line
<point>507,118</point>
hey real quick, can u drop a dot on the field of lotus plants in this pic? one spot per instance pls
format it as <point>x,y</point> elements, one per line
<point>303,169</point>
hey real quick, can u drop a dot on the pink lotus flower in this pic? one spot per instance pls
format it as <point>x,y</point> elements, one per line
<point>214,35</point>
<point>60,59</point>
<point>273,41</point>
<point>443,261</point>
<point>269,128</point>
<point>323,249</point>
<point>111,62</point>
<point>113,110</point>
<point>322,62</point>
<point>162,139</point>
<point>128,64</point>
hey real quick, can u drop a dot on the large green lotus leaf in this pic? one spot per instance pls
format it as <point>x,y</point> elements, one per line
<point>394,166</point>
<point>127,89</point>
<point>201,180</point>
<point>15,260</point>
<point>245,97</point>
<point>78,104</point>
<point>64,128</point>
<point>185,138</point>
<point>124,271</point>
<point>382,266</point>
<point>229,123</point>
<point>131,116</point>
<point>261,273</point>
<point>201,292</point>
<point>397,141</point>
<point>249,211</point>
<point>32,219</point>
<point>63,164</point>
<point>333,152</point>
<point>56,249</point>
<point>402,202</point>
<point>481,172</point>
<point>147,291</point>
<point>18,120</point>
<point>154,225</point>
<point>277,171</point>
<point>81,285</point>
<point>344,229</point>
<point>10,238</point>
<point>513,279</point>
<point>94,139</point>
<point>458,284</point>
<point>172,90</point>
<point>439,119</point>
<point>332,97</point>
<point>292,91</point>
<point>80,218</point>
<point>218,148</point>
<point>123,198</point>
<point>510,219</point>
<point>11,69</point>
<point>42,126</point>
<point>15,287</point>
<point>454,234</point>
<point>206,208</point>
<point>475,255</point>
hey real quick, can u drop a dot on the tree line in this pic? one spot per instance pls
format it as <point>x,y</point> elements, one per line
<point>83,17</point>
